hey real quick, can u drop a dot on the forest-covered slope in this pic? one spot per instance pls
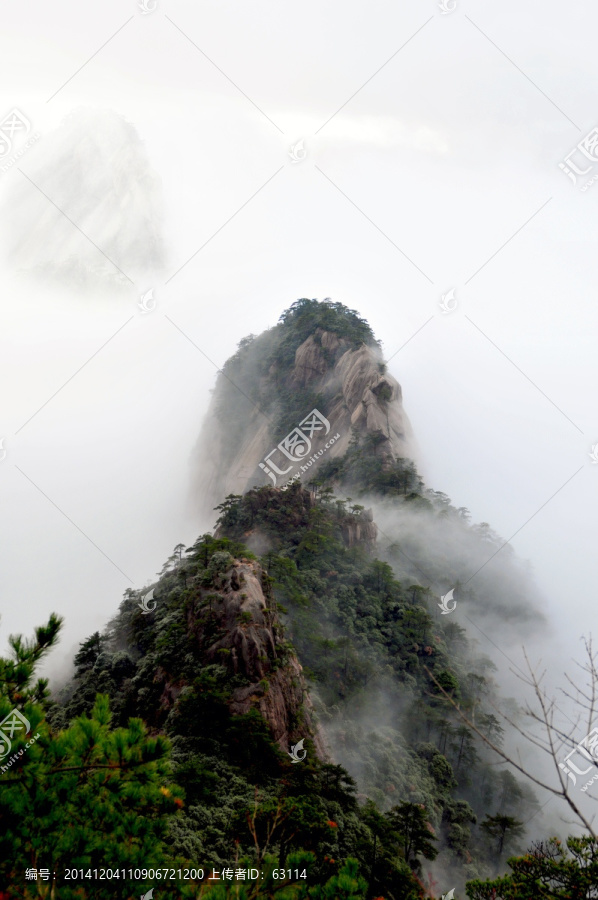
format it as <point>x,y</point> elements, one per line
<point>301,622</point>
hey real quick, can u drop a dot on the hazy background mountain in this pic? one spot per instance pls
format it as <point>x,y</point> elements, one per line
<point>94,171</point>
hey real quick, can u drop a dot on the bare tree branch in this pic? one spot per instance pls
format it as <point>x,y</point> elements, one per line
<point>546,719</point>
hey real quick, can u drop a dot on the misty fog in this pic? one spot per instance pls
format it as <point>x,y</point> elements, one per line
<point>441,172</point>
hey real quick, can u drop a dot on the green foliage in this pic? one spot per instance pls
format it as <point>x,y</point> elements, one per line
<point>85,797</point>
<point>360,633</point>
<point>549,871</point>
<point>16,671</point>
<point>158,749</point>
<point>242,793</point>
<point>504,829</point>
<point>88,653</point>
<point>458,814</point>
<point>347,885</point>
<point>414,832</point>
<point>364,470</point>
<point>304,317</point>
<point>265,361</point>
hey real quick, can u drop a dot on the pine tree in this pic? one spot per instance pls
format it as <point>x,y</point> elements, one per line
<point>86,797</point>
<point>88,653</point>
<point>415,834</point>
<point>504,828</point>
<point>546,872</point>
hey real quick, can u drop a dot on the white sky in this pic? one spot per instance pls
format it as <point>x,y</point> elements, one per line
<point>445,152</point>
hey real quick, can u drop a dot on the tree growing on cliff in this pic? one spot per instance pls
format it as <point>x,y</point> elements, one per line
<point>88,653</point>
<point>414,832</point>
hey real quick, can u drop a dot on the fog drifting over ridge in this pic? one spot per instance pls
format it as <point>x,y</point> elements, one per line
<point>112,449</point>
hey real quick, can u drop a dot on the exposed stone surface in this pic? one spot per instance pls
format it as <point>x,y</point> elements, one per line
<point>358,393</point>
<point>314,357</point>
<point>370,401</point>
<point>251,645</point>
<point>359,531</point>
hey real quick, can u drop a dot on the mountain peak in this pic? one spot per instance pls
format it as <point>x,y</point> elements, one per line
<point>321,358</point>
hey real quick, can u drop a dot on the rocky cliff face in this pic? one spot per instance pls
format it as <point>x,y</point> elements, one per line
<point>247,638</point>
<point>348,385</point>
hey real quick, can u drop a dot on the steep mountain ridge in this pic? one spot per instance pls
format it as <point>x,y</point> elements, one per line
<point>299,620</point>
<point>271,390</point>
<point>226,620</point>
